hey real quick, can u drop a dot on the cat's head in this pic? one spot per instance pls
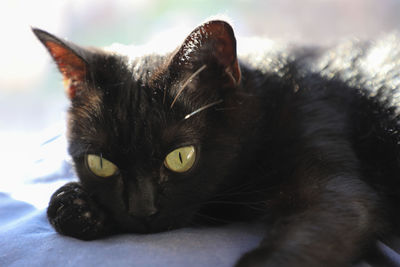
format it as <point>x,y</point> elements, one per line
<point>150,136</point>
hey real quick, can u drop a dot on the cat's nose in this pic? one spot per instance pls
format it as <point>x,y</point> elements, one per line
<point>141,201</point>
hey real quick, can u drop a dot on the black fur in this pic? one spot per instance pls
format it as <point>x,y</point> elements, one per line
<point>305,140</point>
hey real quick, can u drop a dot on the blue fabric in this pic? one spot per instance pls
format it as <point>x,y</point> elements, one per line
<point>26,239</point>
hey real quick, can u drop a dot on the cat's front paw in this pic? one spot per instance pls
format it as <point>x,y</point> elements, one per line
<point>72,212</point>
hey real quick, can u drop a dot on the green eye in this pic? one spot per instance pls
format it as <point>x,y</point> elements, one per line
<point>100,166</point>
<point>181,159</point>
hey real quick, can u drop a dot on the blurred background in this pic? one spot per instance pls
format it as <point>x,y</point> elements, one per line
<point>32,101</point>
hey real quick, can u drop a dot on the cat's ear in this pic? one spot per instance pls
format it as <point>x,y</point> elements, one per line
<point>69,59</point>
<point>211,45</point>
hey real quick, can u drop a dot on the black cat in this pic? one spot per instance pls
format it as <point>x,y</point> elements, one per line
<point>305,140</point>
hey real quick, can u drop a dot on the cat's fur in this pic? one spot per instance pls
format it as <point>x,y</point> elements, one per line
<point>305,140</point>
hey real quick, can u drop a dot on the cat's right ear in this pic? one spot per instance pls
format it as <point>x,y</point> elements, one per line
<point>212,45</point>
<point>69,59</point>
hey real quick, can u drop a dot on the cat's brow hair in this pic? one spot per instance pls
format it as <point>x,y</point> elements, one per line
<point>187,82</point>
<point>203,108</point>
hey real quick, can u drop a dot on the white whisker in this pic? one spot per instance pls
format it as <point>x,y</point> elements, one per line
<point>187,82</point>
<point>203,108</point>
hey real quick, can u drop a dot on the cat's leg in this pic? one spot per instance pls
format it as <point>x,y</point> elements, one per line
<point>336,221</point>
<point>74,213</point>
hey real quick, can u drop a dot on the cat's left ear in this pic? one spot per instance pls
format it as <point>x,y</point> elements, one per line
<point>70,61</point>
<point>211,46</point>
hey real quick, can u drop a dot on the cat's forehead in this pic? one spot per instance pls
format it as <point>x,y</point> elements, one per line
<point>135,106</point>
<point>130,112</point>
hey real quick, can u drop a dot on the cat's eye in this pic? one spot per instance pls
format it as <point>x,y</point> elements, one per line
<point>100,166</point>
<point>181,159</point>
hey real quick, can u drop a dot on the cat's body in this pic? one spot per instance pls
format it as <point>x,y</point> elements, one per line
<point>304,140</point>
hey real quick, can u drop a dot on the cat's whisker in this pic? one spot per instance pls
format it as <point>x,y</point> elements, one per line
<point>228,108</point>
<point>244,188</point>
<point>116,84</point>
<point>187,82</point>
<point>238,193</point>
<point>203,108</point>
<point>255,205</point>
<point>212,219</point>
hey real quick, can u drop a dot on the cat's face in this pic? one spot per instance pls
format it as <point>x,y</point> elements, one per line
<point>148,135</point>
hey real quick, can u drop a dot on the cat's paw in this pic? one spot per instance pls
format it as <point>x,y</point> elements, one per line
<point>72,212</point>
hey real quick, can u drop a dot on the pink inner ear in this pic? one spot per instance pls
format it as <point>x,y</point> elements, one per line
<point>223,41</point>
<point>72,67</point>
